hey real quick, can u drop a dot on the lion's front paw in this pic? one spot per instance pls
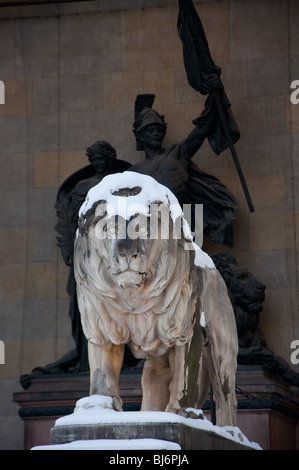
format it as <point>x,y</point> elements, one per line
<point>117,403</point>
<point>195,414</point>
<point>185,412</point>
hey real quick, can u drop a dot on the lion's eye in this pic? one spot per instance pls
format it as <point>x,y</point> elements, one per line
<point>243,276</point>
<point>143,230</point>
<point>111,230</point>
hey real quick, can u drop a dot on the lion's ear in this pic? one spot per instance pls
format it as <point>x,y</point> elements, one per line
<point>226,274</point>
<point>99,230</point>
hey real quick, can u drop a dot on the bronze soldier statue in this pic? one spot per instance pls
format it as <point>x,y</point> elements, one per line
<point>174,168</point>
<point>71,195</point>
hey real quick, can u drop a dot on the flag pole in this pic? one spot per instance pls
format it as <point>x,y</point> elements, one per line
<point>202,49</point>
<point>233,151</point>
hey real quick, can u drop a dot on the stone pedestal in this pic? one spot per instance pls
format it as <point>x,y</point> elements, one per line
<point>51,396</point>
<point>268,409</point>
<point>95,420</point>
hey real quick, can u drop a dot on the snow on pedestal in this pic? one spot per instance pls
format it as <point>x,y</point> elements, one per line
<point>98,409</point>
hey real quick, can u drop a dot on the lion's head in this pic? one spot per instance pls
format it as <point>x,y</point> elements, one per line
<point>131,261</point>
<point>134,230</point>
<point>247,296</point>
<point>245,290</point>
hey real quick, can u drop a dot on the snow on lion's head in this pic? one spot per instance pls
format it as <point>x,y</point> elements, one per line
<point>136,275</point>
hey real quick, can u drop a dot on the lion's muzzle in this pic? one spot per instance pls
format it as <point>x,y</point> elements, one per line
<point>129,263</point>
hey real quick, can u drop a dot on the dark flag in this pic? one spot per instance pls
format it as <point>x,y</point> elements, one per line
<point>198,65</point>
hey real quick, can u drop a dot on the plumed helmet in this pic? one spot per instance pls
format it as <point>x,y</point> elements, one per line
<point>145,116</point>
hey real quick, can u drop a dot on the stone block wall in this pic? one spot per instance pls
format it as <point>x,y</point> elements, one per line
<point>71,73</point>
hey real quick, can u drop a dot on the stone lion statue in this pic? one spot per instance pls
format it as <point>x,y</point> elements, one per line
<point>247,295</point>
<point>142,282</point>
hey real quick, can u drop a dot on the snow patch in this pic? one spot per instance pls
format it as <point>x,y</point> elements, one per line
<point>97,409</point>
<point>202,320</point>
<point>151,191</point>
<point>113,444</point>
<point>202,259</point>
<point>127,207</point>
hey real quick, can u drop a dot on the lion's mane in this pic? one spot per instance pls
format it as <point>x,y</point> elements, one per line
<point>150,319</point>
